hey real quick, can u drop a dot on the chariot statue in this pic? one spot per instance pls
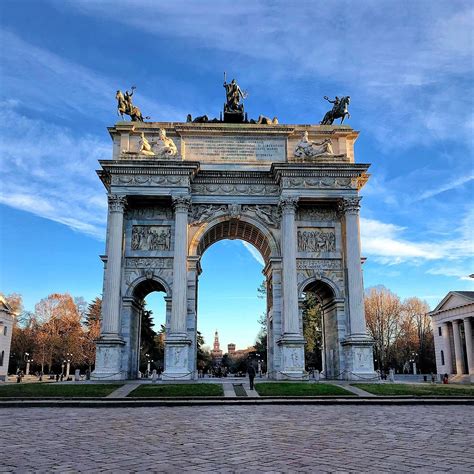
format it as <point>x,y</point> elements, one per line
<point>339,110</point>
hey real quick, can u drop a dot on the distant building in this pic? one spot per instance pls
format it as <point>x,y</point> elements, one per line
<point>231,349</point>
<point>216,352</point>
<point>453,334</point>
<point>232,352</point>
<point>7,319</point>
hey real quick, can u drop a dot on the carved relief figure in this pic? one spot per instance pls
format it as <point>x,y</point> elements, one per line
<point>204,212</point>
<point>165,146</point>
<point>150,237</point>
<point>145,147</point>
<point>308,149</point>
<point>317,241</point>
<point>317,214</point>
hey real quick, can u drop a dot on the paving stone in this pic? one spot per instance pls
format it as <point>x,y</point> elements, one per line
<point>270,438</point>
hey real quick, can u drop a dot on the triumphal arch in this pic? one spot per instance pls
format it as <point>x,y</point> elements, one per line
<point>292,191</point>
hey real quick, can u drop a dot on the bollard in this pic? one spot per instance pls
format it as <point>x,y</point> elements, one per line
<point>316,375</point>
<point>77,375</point>
<point>154,376</point>
<point>391,375</point>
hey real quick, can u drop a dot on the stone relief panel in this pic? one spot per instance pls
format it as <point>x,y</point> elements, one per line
<point>362,358</point>
<point>269,215</point>
<point>151,237</point>
<point>320,264</point>
<point>151,180</point>
<point>323,182</point>
<point>317,214</point>
<point>155,213</point>
<point>316,240</point>
<point>235,189</point>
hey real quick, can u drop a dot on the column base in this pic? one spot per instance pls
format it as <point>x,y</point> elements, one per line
<point>108,365</point>
<point>177,347</point>
<point>292,349</point>
<point>359,360</point>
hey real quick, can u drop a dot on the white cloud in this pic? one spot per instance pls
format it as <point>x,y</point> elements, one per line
<point>254,252</point>
<point>446,187</point>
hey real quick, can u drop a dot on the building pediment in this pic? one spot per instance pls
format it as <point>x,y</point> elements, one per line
<point>454,299</point>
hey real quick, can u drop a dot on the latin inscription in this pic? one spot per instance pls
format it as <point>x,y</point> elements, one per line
<point>234,149</point>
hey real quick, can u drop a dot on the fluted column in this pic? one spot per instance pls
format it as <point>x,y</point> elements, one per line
<point>111,298</point>
<point>288,251</point>
<point>448,361</point>
<point>457,346</point>
<point>179,305</point>
<point>350,208</point>
<point>469,348</point>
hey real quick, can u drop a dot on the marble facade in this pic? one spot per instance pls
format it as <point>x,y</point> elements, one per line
<point>244,182</point>
<point>7,319</point>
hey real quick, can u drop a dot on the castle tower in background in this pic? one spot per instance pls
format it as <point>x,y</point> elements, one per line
<point>216,352</point>
<point>231,349</point>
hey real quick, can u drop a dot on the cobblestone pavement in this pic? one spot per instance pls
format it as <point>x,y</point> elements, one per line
<point>267,438</point>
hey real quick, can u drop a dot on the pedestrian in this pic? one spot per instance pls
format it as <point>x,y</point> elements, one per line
<point>251,372</point>
<point>433,380</point>
<point>445,378</point>
<point>57,377</point>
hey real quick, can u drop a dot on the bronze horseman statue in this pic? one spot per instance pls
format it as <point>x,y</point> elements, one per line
<point>125,106</point>
<point>339,110</point>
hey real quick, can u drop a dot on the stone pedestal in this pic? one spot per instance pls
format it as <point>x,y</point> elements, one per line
<point>177,343</point>
<point>108,360</point>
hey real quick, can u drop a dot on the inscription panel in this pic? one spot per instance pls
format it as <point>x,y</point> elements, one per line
<point>234,149</point>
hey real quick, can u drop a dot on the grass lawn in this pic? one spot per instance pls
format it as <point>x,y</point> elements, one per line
<point>298,389</point>
<point>416,390</point>
<point>179,390</point>
<point>40,390</point>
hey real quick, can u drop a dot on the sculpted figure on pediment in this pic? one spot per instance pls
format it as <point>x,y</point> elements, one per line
<point>309,149</point>
<point>145,147</point>
<point>164,147</point>
<point>204,212</point>
<point>268,214</point>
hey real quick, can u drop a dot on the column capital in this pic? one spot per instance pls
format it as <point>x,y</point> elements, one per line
<point>117,203</point>
<point>288,203</point>
<point>350,205</point>
<point>181,202</point>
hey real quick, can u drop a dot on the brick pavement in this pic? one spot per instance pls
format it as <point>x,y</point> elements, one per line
<point>239,439</point>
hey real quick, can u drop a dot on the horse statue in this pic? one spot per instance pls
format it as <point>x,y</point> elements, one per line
<point>125,106</point>
<point>339,110</point>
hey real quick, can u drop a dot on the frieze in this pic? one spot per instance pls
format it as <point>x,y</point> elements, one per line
<point>141,180</point>
<point>155,213</point>
<point>316,240</point>
<point>320,264</point>
<point>147,237</point>
<point>235,189</point>
<point>144,262</point>
<point>317,214</point>
<point>204,212</point>
<point>338,183</point>
<point>270,215</point>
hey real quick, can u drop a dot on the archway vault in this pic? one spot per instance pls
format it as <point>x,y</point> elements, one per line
<point>224,228</point>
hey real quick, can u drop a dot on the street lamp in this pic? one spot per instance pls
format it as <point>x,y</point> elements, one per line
<point>28,362</point>
<point>148,364</point>
<point>259,365</point>
<point>413,361</point>
<point>68,362</point>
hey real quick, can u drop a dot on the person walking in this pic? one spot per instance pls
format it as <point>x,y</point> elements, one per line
<point>251,372</point>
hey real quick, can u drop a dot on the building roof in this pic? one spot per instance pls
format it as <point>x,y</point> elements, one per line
<point>454,299</point>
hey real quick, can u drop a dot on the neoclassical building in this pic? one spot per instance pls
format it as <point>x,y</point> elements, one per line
<point>453,321</point>
<point>292,191</point>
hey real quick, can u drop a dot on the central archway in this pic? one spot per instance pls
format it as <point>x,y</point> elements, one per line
<point>247,230</point>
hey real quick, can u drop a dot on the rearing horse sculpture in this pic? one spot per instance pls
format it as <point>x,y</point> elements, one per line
<point>125,106</point>
<point>339,110</point>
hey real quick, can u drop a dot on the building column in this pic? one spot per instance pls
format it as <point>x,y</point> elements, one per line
<point>177,344</point>
<point>109,346</point>
<point>457,347</point>
<point>357,344</point>
<point>469,348</point>
<point>448,361</point>
<point>292,340</point>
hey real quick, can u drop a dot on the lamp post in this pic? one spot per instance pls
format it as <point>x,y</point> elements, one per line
<point>148,365</point>
<point>28,362</point>
<point>68,364</point>
<point>413,361</point>
<point>259,365</point>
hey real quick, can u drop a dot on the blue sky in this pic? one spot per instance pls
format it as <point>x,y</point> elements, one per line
<point>408,67</point>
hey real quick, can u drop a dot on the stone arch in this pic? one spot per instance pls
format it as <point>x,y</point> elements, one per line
<point>245,228</point>
<point>325,287</point>
<point>143,286</point>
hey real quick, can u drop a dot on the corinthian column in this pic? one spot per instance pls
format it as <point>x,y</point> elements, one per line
<point>288,252</point>
<point>179,305</point>
<point>111,298</point>
<point>448,362</point>
<point>350,207</point>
